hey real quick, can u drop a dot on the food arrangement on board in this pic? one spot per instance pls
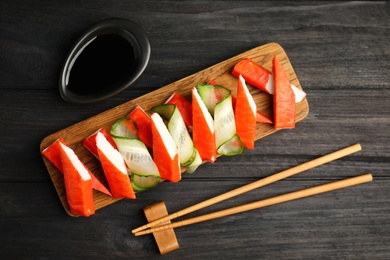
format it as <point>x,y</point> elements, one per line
<point>148,147</point>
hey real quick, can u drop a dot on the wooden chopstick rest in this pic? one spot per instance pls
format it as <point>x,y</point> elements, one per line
<point>166,239</point>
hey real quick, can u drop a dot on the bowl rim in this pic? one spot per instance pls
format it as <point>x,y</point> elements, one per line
<point>128,29</point>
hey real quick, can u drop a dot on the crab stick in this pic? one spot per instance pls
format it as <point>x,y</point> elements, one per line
<point>245,115</point>
<point>284,105</point>
<point>261,78</point>
<point>90,141</point>
<point>203,133</point>
<point>165,153</point>
<point>53,153</point>
<point>143,122</point>
<point>114,168</point>
<point>78,184</point>
<point>184,107</point>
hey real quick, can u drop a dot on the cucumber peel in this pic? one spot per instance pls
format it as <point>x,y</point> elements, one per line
<point>141,183</point>
<point>195,164</point>
<point>231,147</point>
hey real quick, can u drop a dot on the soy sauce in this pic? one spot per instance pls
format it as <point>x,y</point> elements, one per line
<point>106,62</point>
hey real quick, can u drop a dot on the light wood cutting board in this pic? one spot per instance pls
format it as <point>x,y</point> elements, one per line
<point>220,73</point>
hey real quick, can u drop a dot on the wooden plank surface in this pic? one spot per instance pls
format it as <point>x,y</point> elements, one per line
<point>340,53</point>
<point>220,73</point>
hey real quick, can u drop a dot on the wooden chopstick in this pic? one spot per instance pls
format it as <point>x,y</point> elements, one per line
<point>264,203</point>
<point>257,184</point>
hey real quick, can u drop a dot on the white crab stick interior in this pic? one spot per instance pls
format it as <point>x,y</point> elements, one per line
<point>165,135</point>
<point>169,99</point>
<point>270,84</point>
<point>299,93</point>
<point>76,163</point>
<point>110,152</point>
<point>248,96</point>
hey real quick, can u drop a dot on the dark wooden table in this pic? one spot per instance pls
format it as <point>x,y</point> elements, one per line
<point>340,53</point>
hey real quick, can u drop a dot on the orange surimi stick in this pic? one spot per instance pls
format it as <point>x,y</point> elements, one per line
<point>261,78</point>
<point>78,184</point>
<point>143,121</point>
<point>53,153</point>
<point>245,115</point>
<point>90,141</point>
<point>261,118</point>
<point>165,154</point>
<point>203,133</point>
<point>184,107</point>
<point>254,74</point>
<point>114,168</point>
<point>284,99</point>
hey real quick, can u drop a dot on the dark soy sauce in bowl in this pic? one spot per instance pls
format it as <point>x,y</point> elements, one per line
<point>108,58</point>
<point>106,62</point>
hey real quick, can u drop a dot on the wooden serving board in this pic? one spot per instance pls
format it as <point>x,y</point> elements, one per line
<point>220,73</point>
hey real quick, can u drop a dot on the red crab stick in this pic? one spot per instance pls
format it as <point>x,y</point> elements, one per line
<point>114,168</point>
<point>203,133</point>
<point>143,121</point>
<point>260,117</point>
<point>284,99</point>
<point>165,153</point>
<point>90,142</point>
<point>261,78</point>
<point>53,153</point>
<point>184,107</point>
<point>78,184</point>
<point>254,74</point>
<point>245,115</point>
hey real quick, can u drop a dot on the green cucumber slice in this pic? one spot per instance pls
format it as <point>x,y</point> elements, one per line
<point>195,164</point>
<point>212,95</point>
<point>136,188</point>
<point>141,183</point>
<point>165,111</point>
<point>218,100</point>
<point>124,127</point>
<point>178,131</point>
<point>224,124</point>
<point>136,156</point>
<point>234,146</point>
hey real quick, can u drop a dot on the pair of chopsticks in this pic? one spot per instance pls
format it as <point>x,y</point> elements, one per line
<point>155,226</point>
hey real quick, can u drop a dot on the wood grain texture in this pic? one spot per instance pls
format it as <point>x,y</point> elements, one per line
<point>340,54</point>
<point>221,73</point>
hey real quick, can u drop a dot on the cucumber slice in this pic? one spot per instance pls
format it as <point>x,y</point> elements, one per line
<point>179,132</point>
<point>212,95</point>
<point>136,188</point>
<point>165,111</point>
<point>141,183</point>
<point>124,127</point>
<point>227,141</point>
<point>195,164</point>
<point>231,147</point>
<point>137,156</point>
<point>224,124</point>
<point>218,99</point>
